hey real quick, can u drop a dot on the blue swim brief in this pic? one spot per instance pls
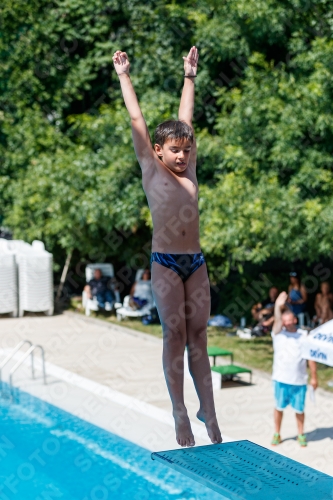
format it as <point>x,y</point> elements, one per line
<point>287,394</point>
<point>182,264</point>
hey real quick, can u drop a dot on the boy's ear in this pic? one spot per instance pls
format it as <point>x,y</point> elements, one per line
<point>158,150</point>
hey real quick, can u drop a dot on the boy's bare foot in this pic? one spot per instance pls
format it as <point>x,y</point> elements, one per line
<point>212,426</point>
<point>184,434</point>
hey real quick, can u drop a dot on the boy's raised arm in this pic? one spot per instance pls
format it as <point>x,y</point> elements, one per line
<point>141,139</point>
<point>186,106</point>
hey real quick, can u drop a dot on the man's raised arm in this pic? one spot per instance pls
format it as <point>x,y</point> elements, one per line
<point>141,139</point>
<point>280,301</point>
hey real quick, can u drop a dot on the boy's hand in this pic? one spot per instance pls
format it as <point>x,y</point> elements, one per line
<point>191,62</point>
<point>121,62</point>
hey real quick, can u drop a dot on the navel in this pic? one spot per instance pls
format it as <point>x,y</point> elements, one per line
<point>183,233</point>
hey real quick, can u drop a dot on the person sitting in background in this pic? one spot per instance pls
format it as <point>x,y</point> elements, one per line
<point>324,304</point>
<point>297,295</point>
<point>99,287</point>
<point>141,292</point>
<point>289,368</point>
<point>263,312</point>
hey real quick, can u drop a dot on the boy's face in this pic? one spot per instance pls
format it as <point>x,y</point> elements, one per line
<point>175,154</point>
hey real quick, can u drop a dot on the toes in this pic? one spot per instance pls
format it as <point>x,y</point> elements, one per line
<point>189,442</point>
<point>217,439</point>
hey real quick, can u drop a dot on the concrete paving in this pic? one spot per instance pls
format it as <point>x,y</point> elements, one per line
<point>129,364</point>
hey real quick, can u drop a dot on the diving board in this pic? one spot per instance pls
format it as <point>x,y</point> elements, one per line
<point>243,470</point>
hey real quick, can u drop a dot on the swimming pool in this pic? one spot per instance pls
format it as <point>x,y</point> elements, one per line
<point>47,453</point>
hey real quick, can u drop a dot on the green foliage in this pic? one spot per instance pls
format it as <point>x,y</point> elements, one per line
<point>264,122</point>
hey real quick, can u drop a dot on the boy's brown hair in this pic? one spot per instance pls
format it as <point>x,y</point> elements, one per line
<point>174,130</point>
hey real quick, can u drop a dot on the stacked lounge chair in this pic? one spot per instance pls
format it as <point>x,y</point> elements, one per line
<point>35,279</point>
<point>8,281</point>
<point>31,267</point>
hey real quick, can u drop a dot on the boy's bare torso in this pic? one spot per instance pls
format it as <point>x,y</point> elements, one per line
<point>173,202</point>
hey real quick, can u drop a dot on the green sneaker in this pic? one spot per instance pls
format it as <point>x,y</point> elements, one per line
<point>302,440</point>
<point>276,439</point>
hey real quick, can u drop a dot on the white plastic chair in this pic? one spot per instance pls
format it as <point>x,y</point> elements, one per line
<point>38,246</point>
<point>8,283</point>
<point>33,273</point>
<point>143,291</point>
<point>35,277</point>
<point>92,304</point>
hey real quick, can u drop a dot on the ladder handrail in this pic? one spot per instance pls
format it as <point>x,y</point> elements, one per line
<point>11,355</point>
<point>24,357</point>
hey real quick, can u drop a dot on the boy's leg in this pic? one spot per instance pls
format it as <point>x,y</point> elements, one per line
<point>278,414</point>
<point>169,296</point>
<point>197,310</point>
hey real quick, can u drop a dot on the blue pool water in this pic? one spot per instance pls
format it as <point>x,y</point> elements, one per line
<point>47,453</point>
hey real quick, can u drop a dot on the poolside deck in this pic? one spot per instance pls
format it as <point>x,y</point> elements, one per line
<point>113,377</point>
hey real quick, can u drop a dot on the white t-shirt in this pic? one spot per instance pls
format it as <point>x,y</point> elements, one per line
<point>288,365</point>
<point>143,290</point>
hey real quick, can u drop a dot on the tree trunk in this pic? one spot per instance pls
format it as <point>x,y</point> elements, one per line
<point>64,274</point>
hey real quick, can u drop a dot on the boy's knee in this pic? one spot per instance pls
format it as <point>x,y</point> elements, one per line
<point>197,335</point>
<point>174,335</point>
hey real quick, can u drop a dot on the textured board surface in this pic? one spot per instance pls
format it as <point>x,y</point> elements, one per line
<point>244,470</point>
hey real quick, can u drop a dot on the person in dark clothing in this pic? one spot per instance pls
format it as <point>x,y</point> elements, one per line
<point>262,311</point>
<point>99,287</point>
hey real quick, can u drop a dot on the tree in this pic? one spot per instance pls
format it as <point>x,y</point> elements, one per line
<point>263,122</point>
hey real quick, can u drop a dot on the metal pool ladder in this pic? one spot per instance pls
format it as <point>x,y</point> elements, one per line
<point>29,352</point>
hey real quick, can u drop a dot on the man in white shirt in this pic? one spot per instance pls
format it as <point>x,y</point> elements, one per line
<point>289,368</point>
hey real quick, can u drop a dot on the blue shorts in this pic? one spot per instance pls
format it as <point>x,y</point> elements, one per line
<point>287,394</point>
